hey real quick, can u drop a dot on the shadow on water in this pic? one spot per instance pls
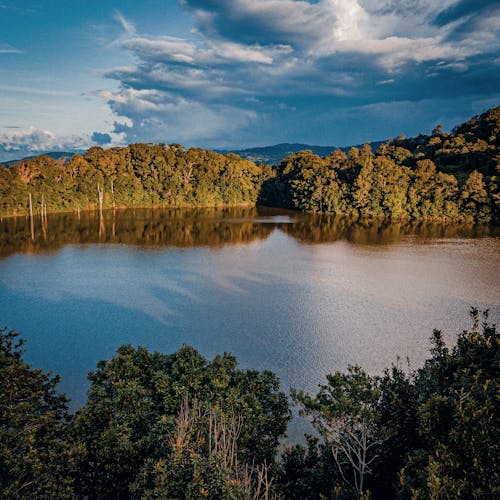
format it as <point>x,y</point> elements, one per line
<point>185,228</point>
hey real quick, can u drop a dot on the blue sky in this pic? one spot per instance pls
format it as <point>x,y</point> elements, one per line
<point>240,73</point>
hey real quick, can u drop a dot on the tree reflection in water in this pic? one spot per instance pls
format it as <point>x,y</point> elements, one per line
<point>210,228</point>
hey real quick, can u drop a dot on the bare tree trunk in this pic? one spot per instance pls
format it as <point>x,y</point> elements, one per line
<point>43,215</point>
<point>43,208</point>
<point>223,435</point>
<point>354,447</point>
<point>113,192</point>
<point>101,198</point>
<point>100,191</point>
<point>32,222</point>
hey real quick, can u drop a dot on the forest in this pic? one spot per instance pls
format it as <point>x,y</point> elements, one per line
<point>440,177</point>
<point>180,426</point>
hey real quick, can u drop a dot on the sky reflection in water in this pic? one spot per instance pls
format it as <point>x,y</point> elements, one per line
<point>300,295</point>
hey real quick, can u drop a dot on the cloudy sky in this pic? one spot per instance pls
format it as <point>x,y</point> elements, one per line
<point>241,73</point>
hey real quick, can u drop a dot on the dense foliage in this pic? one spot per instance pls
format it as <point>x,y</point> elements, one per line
<point>179,426</point>
<point>431,434</point>
<point>137,175</point>
<point>441,177</point>
<point>35,456</point>
<point>444,176</point>
<point>129,429</point>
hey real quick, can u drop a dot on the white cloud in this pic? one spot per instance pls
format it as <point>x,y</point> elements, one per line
<point>154,115</point>
<point>166,49</point>
<point>34,139</point>
<point>17,143</point>
<point>246,55</point>
<point>127,26</point>
<point>398,31</point>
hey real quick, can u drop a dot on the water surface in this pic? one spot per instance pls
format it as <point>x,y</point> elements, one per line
<point>301,295</point>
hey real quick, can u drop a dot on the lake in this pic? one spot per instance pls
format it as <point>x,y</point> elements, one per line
<point>298,294</point>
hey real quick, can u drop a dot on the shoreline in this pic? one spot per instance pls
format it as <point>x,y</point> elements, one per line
<point>352,217</point>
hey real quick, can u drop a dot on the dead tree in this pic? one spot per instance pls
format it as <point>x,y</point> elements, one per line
<point>113,193</point>
<point>220,434</point>
<point>354,444</point>
<point>32,222</point>
<point>100,192</point>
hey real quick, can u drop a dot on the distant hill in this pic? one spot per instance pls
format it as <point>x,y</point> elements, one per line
<point>273,155</point>
<point>270,155</point>
<point>56,155</point>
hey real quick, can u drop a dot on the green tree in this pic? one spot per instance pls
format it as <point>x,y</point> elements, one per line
<point>134,400</point>
<point>309,472</point>
<point>458,420</point>
<point>36,458</point>
<point>474,200</point>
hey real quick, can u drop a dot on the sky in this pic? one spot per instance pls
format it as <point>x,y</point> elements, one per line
<point>240,73</point>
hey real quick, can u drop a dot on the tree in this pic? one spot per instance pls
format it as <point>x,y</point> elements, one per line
<point>36,457</point>
<point>474,199</point>
<point>134,401</point>
<point>458,422</point>
<point>345,414</point>
<point>309,472</point>
<point>201,460</point>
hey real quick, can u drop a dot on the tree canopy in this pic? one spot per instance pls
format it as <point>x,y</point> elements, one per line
<point>179,426</point>
<point>439,177</point>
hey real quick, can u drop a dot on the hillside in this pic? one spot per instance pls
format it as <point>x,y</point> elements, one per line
<point>473,145</point>
<point>56,155</point>
<point>273,155</point>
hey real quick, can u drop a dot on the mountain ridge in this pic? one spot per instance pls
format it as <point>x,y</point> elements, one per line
<point>275,154</point>
<point>271,155</point>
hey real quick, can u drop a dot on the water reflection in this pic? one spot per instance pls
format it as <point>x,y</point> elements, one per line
<point>302,295</point>
<point>210,228</point>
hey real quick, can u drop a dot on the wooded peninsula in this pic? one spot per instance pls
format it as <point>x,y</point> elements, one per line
<point>438,177</point>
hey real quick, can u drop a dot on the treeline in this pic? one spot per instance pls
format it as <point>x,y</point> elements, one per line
<point>140,175</point>
<point>444,176</point>
<point>474,145</point>
<point>180,426</point>
<point>441,177</point>
<point>373,185</point>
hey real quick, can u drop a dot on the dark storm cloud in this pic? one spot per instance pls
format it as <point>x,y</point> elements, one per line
<point>466,8</point>
<point>301,66</point>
